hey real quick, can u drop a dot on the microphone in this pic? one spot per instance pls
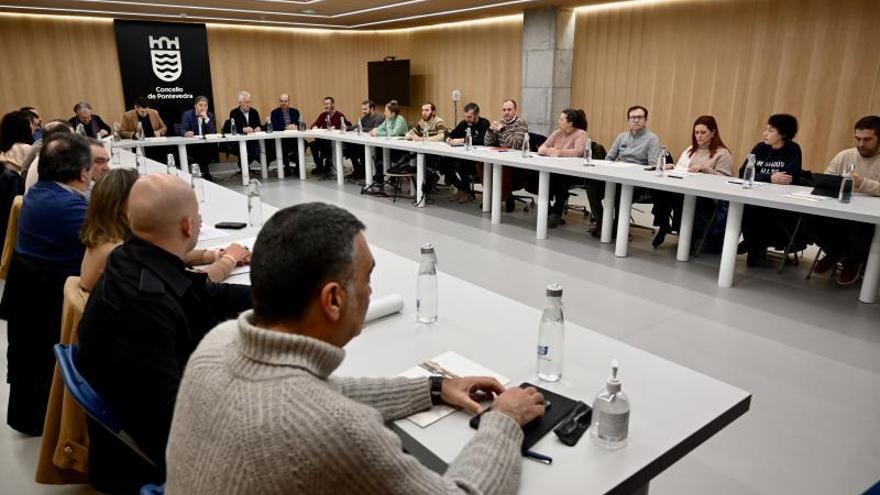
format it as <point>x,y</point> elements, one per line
<point>456,95</point>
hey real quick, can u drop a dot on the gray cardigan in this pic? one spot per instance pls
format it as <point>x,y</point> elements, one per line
<point>258,413</point>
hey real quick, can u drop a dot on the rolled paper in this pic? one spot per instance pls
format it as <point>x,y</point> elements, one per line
<point>383,306</point>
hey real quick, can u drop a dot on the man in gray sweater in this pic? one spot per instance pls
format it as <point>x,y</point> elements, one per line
<point>258,411</point>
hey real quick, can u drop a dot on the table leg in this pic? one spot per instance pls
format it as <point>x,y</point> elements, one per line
<point>608,212</point>
<point>264,164</point>
<point>301,150</point>
<point>279,159</point>
<point>184,159</point>
<point>368,164</point>
<point>496,193</point>
<point>386,160</point>
<point>868,293</point>
<point>687,228</point>
<point>626,199</point>
<point>487,187</point>
<point>731,239</point>
<point>543,203</point>
<point>420,180</point>
<point>245,171</point>
<point>337,150</point>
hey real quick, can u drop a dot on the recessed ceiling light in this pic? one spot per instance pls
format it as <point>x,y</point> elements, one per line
<point>309,11</point>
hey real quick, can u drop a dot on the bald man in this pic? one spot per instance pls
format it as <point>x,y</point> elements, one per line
<point>143,320</point>
<point>286,118</point>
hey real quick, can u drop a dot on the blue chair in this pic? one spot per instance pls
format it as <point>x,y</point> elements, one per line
<point>97,408</point>
<point>153,490</point>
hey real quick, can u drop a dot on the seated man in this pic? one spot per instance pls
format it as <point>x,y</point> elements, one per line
<point>509,132</point>
<point>286,118</point>
<point>149,118</point>
<point>247,120</point>
<point>144,318</point>
<point>369,120</point>
<point>322,149</point>
<point>436,128</point>
<point>93,124</point>
<point>635,145</point>
<point>845,240</point>
<point>458,172</point>
<point>198,122</point>
<point>47,251</point>
<point>259,407</point>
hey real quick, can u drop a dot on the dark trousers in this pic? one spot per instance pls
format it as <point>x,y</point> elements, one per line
<point>458,173</point>
<point>203,154</point>
<point>322,154</point>
<point>596,193</point>
<point>765,227</point>
<point>842,239</point>
<point>355,153</point>
<point>289,153</point>
<point>710,216</point>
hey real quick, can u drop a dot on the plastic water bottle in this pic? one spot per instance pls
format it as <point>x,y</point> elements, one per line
<point>140,161</point>
<point>424,126</point>
<point>551,336</point>
<point>588,153</point>
<point>139,132</point>
<point>80,129</point>
<point>387,130</point>
<point>426,286</point>
<point>115,155</point>
<point>468,140</point>
<point>201,130</point>
<point>749,173</point>
<point>198,184</point>
<point>269,125</point>
<point>329,122</point>
<point>526,153</point>
<point>846,184</point>
<point>255,203</point>
<point>611,408</point>
<point>170,166</point>
<point>360,127</point>
<point>116,129</point>
<point>232,129</point>
<point>660,169</point>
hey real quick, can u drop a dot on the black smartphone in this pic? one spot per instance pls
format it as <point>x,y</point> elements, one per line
<point>230,225</point>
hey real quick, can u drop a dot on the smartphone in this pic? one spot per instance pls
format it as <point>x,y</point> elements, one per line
<point>230,225</point>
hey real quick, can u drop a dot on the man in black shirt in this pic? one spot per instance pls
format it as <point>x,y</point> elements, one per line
<point>93,125</point>
<point>142,321</point>
<point>458,172</point>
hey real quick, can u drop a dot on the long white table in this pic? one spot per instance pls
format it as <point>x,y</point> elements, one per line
<point>675,409</point>
<point>862,209</point>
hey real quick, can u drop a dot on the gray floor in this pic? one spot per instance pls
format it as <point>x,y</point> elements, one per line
<point>807,351</point>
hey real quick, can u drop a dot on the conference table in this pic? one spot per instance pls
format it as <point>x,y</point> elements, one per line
<point>674,409</point>
<point>627,176</point>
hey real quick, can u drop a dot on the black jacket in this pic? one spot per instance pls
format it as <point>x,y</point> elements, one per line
<point>142,322</point>
<point>478,131</point>
<point>253,119</point>
<point>94,126</point>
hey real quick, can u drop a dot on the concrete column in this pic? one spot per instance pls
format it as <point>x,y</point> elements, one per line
<point>548,53</point>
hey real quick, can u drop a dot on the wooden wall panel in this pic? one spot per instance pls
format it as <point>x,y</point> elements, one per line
<point>739,60</point>
<point>53,62</point>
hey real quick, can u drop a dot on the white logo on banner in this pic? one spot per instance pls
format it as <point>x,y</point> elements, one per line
<point>167,63</point>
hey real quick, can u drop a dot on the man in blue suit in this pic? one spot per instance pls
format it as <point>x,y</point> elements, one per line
<point>286,118</point>
<point>199,122</point>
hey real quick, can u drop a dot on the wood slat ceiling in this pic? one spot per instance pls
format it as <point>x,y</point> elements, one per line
<point>328,14</point>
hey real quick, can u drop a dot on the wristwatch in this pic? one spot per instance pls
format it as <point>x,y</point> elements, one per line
<point>436,389</point>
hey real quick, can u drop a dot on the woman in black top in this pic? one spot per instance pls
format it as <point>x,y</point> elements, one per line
<point>778,161</point>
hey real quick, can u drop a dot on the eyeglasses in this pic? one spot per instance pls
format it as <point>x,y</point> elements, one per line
<point>637,117</point>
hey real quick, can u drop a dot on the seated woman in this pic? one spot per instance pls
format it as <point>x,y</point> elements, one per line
<point>707,154</point>
<point>569,140</point>
<point>106,226</point>
<point>393,126</point>
<point>778,161</point>
<point>16,139</point>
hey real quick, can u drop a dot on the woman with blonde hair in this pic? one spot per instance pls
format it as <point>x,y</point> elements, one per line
<point>106,227</point>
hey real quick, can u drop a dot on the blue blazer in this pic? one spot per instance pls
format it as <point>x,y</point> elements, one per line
<point>189,122</point>
<point>278,118</point>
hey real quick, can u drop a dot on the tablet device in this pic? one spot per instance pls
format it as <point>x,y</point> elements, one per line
<point>827,185</point>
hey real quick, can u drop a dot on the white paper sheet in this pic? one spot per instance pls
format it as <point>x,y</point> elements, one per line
<point>457,364</point>
<point>209,233</point>
<point>384,306</point>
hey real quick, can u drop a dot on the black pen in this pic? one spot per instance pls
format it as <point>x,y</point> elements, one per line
<point>675,176</point>
<point>538,457</point>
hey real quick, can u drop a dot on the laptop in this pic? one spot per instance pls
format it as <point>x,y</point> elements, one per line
<point>827,185</point>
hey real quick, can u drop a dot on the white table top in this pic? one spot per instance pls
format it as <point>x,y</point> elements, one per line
<point>674,409</point>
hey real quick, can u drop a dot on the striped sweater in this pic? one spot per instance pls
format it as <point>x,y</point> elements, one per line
<point>258,413</point>
<point>510,136</point>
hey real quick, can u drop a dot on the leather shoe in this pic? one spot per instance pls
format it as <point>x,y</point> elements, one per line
<point>850,273</point>
<point>826,263</point>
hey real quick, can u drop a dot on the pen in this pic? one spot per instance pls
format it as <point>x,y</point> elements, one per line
<point>538,457</point>
<point>675,176</point>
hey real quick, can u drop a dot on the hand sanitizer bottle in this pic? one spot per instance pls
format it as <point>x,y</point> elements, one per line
<point>610,426</point>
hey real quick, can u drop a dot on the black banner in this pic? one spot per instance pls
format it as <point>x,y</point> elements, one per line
<point>167,63</point>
